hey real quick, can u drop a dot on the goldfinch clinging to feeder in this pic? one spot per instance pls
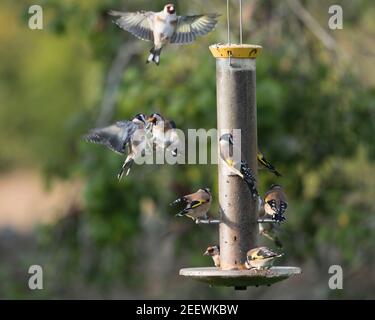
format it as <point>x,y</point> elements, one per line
<point>121,137</point>
<point>261,258</point>
<point>265,164</point>
<point>164,133</point>
<point>164,27</point>
<point>275,203</point>
<point>237,166</point>
<point>214,252</point>
<point>196,204</point>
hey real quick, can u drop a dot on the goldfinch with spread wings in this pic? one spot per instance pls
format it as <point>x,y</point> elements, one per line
<point>165,27</point>
<point>121,137</point>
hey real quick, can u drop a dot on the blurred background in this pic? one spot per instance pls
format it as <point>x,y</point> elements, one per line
<point>61,206</point>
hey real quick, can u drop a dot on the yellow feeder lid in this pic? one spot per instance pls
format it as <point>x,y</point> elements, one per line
<point>250,51</point>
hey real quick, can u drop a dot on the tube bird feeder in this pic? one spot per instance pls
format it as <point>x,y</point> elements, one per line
<point>238,228</point>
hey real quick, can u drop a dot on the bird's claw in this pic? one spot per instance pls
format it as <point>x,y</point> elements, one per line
<point>279,218</point>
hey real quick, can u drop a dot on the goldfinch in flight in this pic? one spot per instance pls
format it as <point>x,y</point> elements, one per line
<point>121,137</point>
<point>265,164</point>
<point>237,166</point>
<point>214,253</point>
<point>165,27</point>
<point>275,203</point>
<point>164,133</point>
<point>196,204</point>
<point>261,258</point>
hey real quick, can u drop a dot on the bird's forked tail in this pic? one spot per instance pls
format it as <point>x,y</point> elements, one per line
<point>177,201</point>
<point>154,56</point>
<point>125,168</point>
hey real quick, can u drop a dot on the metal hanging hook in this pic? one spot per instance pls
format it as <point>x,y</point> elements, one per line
<point>228,22</point>
<point>240,21</point>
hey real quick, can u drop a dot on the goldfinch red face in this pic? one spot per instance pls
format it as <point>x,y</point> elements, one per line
<point>155,118</point>
<point>170,9</point>
<point>211,251</point>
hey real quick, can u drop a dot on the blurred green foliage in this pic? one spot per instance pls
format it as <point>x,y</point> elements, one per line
<point>316,114</point>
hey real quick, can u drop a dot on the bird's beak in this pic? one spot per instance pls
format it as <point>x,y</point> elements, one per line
<point>151,120</point>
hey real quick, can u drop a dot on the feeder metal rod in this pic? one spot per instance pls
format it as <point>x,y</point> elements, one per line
<point>267,221</point>
<point>209,221</point>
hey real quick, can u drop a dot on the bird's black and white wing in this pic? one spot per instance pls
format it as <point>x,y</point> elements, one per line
<point>189,27</point>
<point>137,23</point>
<point>249,179</point>
<point>283,207</point>
<point>115,137</point>
<point>265,253</point>
<point>273,204</point>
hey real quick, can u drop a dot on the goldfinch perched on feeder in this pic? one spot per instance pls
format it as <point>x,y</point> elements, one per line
<point>164,132</point>
<point>121,136</point>
<point>265,164</point>
<point>214,252</point>
<point>196,204</point>
<point>164,27</point>
<point>275,203</point>
<point>261,258</point>
<point>237,166</point>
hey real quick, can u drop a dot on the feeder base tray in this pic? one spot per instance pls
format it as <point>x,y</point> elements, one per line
<point>240,279</point>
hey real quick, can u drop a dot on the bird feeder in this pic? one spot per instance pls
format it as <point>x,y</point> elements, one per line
<point>238,224</point>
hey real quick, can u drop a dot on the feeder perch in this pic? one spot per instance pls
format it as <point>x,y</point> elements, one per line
<point>208,221</point>
<point>267,221</point>
<point>238,223</point>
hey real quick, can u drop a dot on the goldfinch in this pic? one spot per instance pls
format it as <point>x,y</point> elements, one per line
<point>265,164</point>
<point>196,204</point>
<point>261,258</point>
<point>164,27</point>
<point>237,166</point>
<point>123,137</point>
<point>214,253</point>
<point>275,203</point>
<point>164,133</point>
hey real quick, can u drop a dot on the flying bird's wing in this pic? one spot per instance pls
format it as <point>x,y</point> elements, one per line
<point>189,27</point>
<point>115,137</point>
<point>137,23</point>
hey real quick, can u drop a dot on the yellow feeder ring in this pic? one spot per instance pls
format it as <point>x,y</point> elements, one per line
<point>243,51</point>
